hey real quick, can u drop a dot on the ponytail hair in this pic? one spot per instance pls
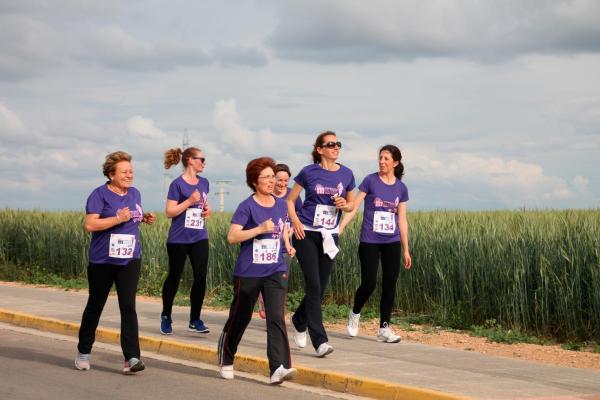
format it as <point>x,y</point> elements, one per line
<point>173,156</point>
<point>396,156</point>
<point>319,143</point>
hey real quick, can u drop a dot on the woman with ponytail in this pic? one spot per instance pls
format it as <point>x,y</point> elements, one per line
<point>384,235</point>
<point>187,206</point>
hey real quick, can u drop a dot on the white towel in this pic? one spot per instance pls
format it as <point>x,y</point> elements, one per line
<point>329,246</point>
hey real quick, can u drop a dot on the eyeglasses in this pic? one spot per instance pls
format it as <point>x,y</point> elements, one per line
<point>331,145</point>
<point>267,177</point>
<point>199,158</point>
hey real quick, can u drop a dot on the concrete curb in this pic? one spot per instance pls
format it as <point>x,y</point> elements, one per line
<point>331,380</point>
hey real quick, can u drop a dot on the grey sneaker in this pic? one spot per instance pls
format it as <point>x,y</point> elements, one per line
<point>227,372</point>
<point>387,335</point>
<point>282,374</point>
<point>82,362</point>
<point>133,365</point>
<point>300,339</point>
<point>324,349</point>
<point>352,326</point>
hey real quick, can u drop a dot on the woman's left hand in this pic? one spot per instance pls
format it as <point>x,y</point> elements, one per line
<point>149,218</point>
<point>207,211</point>
<point>291,251</point>
<point>340,202</point>
<point>407,260</point>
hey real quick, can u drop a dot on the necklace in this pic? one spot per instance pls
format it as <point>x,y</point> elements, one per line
<point>116,191</point>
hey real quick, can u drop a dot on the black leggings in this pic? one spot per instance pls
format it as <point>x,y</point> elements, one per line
<point>369,254</point>
<point>245,293</point>
<point>100,279</point>
<point>316,269</point>
<point>178,252</point>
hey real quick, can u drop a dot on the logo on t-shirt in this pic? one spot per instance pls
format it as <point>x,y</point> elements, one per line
<point>278,230</point>
<point>392,206</point>
<point>138,214</point>
<point>338,190</point>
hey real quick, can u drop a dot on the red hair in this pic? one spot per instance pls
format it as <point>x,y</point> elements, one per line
<point>255,167</point>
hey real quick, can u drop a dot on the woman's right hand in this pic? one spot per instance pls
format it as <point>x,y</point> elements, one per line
<point>194,198</point>
<point>267,226</point>
<point>298,229</point>
<point>123,215</point>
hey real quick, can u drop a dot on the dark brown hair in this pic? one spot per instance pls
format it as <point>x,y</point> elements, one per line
<point>396,156</point>
<point>284,168</point>
<point>173,156</point>
<point>255,167</point>
<point>111,161</point>
<point>319,143</point>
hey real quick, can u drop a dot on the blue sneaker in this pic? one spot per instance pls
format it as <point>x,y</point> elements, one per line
<point>198,326</point>
<point>165,325</point>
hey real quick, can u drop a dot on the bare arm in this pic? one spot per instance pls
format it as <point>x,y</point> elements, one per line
<point>349,215</point>
<point>93,222</point>
<point>291,203</point>
<point>403,227</point>
<point>237,233</point>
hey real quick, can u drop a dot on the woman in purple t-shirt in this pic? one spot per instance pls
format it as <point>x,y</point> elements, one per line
<point>259,225</point>
<point>384,235</point>
<point>188,208</point>
<point>328,191</point>
<point>113,215</point>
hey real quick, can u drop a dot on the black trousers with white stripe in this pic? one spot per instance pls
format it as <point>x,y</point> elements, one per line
<point>245,293</point>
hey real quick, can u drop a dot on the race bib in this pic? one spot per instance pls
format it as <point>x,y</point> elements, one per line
<point>265,251</point>
<point>121,245</point>
<point>325,216</point>
<point>384,222</point>
<point>193,218</point>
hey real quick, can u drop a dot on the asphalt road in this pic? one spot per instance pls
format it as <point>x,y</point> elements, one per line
<point>37,367</point>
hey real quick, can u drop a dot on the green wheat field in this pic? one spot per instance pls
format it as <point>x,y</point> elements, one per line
<point>532,271</point>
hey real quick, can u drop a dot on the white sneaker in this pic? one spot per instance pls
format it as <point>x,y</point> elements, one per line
<point>386,335</point>
<point>324,349</point>
<point>300,339</point>
<point>82,362</point>
<point>352,326</point>
<point>283,374</point>
<point>227,372</point>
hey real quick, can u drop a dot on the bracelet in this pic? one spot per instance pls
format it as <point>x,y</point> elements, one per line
<point>118,219</point>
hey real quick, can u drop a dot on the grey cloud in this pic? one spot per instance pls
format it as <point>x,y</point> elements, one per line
<point>356,31</point>
<point>239,55</point>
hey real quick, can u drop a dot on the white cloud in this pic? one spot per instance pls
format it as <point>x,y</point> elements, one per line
<point>144,128</point>
<point>10,123</point>
<point>581,183</point>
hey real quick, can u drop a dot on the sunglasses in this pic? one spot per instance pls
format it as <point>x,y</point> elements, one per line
<point>331,145</point>
<point>199,158</point>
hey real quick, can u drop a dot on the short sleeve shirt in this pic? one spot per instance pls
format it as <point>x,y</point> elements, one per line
<point>106,203</point>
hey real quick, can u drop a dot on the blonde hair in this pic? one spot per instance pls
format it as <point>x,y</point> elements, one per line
<point>111,161</point>
<point>173,156</point>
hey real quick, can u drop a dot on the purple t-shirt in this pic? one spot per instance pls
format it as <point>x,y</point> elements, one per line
<point>261,255</point>
<point>180,191</point>
<point>107,247</point>
<point>320,187</point>
<point>381,203</point>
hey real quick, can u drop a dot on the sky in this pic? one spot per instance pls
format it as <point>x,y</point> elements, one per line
<point>494,105</point>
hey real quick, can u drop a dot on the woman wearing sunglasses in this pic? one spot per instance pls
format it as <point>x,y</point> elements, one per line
<point>384,235</point>
<point>188,208</point>
<point>328,191</point>
<point>259,225</point>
